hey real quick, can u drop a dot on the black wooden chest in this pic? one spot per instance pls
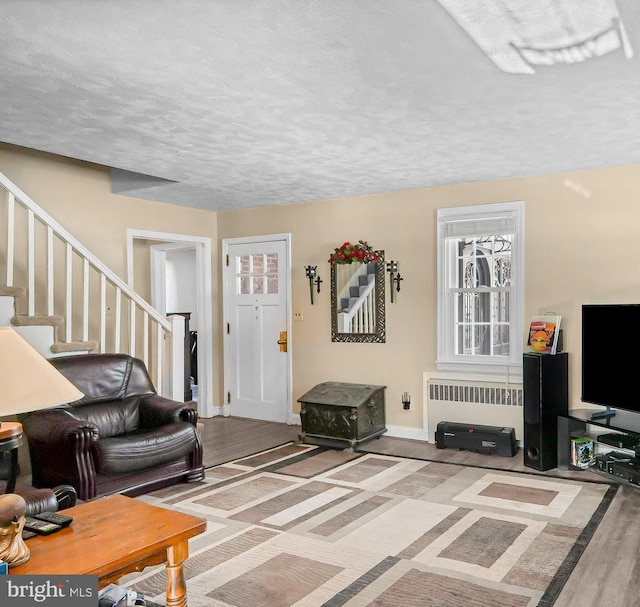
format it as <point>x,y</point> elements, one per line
<point>342,414</point>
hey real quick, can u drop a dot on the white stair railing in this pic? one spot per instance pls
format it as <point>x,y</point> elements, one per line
<point>62,276</point>
<point>361,316</point>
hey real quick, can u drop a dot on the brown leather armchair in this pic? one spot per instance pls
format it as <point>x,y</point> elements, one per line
<point>122,437</point>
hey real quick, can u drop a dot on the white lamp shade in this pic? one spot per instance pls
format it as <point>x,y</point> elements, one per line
<point>28,381</point>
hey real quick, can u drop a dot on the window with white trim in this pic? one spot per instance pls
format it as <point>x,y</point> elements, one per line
<point>481,289</point>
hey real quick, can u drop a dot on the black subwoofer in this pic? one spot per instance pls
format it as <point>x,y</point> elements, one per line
<point>546,395</point>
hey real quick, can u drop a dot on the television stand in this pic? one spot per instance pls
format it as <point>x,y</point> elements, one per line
<point>576,423</point>
<point>607,413</point>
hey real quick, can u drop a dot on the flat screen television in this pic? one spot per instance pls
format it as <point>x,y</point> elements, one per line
<point>610,373</point>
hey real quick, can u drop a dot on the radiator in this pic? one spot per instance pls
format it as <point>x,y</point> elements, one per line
<point>469,402</point>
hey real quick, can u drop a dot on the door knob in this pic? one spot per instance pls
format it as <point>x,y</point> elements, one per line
<point>282,342</point>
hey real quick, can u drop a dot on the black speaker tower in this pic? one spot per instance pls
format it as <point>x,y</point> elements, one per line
<point>546,395</point>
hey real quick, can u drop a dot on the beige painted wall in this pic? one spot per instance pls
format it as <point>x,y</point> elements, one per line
<point>581,241</point>
<point>581,233</point>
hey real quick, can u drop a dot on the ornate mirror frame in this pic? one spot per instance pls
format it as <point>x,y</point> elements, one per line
<point>378,336</point>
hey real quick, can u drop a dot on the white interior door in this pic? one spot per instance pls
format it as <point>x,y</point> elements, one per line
<point>256,285</point>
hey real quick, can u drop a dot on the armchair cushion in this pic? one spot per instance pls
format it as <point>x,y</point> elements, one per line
<point>144,448</point>
<point>110,420</point>
<point>105,377</point>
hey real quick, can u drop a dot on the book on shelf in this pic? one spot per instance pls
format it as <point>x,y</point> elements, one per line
<point>543,334</point>
<point>582,451</point>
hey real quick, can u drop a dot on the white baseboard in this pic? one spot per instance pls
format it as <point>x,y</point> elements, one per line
<point>406,432</point>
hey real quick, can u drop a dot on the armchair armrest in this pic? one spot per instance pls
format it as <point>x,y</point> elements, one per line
<point>156,410</point>
<point>56,426</point>
<point>60,449</point>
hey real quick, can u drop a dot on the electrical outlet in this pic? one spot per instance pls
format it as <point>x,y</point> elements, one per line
<point>297,315</point>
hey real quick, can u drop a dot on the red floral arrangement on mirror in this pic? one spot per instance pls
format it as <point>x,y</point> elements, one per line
<point>353,253</point>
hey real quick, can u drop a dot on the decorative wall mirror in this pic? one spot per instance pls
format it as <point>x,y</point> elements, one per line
<point>357,295</point>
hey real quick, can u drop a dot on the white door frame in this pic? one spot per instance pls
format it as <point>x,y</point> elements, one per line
<point>226,243</point>
<point>203,296</point>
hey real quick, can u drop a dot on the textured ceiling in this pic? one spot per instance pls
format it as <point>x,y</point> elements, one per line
<point>221,104</point>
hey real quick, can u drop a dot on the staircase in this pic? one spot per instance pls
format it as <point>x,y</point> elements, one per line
<point>63,300</point>
<point>356,312</point>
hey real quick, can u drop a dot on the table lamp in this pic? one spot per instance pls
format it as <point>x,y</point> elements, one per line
<point>28,382</point>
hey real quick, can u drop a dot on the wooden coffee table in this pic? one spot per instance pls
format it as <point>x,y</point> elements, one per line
<point>115,535</point>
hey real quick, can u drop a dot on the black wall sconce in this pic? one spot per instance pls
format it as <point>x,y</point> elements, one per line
<point>394,277</point>
<point>406,400</point>
<point>310,271</point>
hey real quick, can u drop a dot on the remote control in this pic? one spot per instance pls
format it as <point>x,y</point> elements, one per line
<point>55,517</point>
<point>40,527</point>
<point>27,535</point>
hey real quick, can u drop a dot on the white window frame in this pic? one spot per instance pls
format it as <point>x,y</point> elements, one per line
<point>480,219</point>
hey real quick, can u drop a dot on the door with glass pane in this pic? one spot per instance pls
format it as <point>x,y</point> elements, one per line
<point>257,365</point>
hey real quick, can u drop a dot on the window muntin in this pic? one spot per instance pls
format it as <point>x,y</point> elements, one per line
<point>257,274</point>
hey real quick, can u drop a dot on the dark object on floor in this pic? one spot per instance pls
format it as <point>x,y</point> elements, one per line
<point>38,500</point>
<point>122,437</point>
<point>474,437</point>
<point>338,414</point>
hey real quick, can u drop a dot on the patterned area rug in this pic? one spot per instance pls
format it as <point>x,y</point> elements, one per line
<point>306,526</point>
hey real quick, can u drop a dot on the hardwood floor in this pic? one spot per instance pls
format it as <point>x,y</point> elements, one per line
<point>608,573</point>
<point>228,438</point>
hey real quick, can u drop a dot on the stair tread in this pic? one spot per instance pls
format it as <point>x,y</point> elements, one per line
<point>24,320</point>
<point>73,346</point>
<point>12,291</point>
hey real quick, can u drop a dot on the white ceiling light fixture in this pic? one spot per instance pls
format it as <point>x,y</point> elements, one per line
<point>520,34</point>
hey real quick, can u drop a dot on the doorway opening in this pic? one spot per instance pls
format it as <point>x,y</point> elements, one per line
<point>154,259</point>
